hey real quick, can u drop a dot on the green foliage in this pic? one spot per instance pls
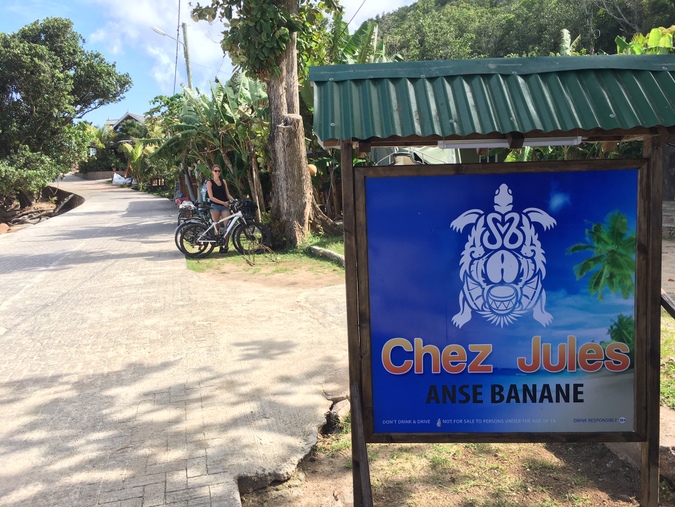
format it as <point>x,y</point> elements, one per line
<point>221,128</point>
<point>103,160</point>
<point>622,330</point>
<point>26,172</point>
<point>336,46</point>
<point>257,32</point>
<point>163,114</point>
<point>131,129</point>
<point>90,80</point>
<point>47,80</point>
<point>430,33</point>
<point>429,30</point>
<point>584,151</point>
<point>659,41</point>
<point>611,264</point>
<point>137,154</point>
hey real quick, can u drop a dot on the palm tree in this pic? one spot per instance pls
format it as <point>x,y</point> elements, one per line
<point>612,261</point>
<point>622,330</point>
<point>137,154</point>
<point>102,137</point>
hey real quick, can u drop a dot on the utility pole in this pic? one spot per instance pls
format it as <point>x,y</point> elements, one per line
<point>187,56</point>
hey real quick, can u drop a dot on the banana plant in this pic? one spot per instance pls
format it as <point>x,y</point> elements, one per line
<point>659,41</point>
<point>227,128</point>
<point>137,155</point>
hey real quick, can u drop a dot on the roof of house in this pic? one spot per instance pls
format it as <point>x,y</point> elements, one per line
<point>423,102</point>
<point>128,116</point>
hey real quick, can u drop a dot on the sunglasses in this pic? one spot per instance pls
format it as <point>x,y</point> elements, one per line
<point>216,170</point>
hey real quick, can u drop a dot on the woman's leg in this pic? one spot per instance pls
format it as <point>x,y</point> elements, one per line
<point>215,216</point>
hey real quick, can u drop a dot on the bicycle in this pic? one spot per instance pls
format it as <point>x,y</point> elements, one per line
<point>196,239</point>
<point>187,210</point>
<point>188,213</point>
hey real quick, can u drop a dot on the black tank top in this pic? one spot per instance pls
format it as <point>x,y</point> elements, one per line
<point>218,191</point>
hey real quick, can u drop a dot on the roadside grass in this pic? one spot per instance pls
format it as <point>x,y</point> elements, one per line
<point>288,260</point>
<point>667,360</point>
<point>334,243</point>
<point>483,474</point>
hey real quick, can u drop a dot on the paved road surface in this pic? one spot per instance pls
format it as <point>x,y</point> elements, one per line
<point>126,380</point>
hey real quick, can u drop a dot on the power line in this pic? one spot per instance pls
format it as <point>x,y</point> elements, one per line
<point>357,11</point>
<point>175,64</point>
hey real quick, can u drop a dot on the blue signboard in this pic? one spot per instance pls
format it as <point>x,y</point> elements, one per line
<point>502,302</point>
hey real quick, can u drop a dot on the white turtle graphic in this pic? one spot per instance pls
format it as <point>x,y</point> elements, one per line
<point>502,265</point>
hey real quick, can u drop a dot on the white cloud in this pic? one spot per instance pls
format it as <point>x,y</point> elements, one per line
<point>362,10</point>
<point>163,70</point>
<point>122,32</point>
<point>128,29</point>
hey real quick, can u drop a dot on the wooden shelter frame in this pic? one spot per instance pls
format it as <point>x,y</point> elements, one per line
<point>647,295</point>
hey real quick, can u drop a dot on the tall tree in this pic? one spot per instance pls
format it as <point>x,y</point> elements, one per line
<point>47,80</point>
<point>261,37</point>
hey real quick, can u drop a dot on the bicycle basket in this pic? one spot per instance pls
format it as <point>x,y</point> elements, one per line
<point>248,208</point>
<point>186,210</point>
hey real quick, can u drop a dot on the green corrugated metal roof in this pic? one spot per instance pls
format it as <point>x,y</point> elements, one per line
<point>458,98</point>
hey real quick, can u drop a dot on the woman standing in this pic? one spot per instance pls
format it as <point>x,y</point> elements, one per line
<point>220,198</point>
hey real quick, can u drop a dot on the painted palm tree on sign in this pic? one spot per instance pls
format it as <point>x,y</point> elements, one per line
<point>622,330</point>
<point>611,264</point>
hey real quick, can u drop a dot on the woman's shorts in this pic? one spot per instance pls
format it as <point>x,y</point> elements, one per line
<point>219,207</point>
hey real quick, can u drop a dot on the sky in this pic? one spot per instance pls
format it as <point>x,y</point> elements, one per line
<point>122,32</point>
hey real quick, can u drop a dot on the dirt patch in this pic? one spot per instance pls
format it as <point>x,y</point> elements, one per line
<point>13,219</point>
<point>280,271</point>
<point>461,475</point>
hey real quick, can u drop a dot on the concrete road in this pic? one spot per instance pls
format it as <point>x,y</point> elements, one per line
<point>127,380</point>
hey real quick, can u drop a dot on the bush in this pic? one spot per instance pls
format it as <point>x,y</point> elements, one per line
<point>24,174</point>
<point>102,161</point>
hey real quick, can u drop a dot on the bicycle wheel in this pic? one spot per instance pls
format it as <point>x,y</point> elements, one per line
<point>195,241</point>
<point>250,238</point>
<point>179,229</point>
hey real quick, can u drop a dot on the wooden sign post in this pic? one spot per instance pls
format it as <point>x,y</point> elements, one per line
<point>484,304</point>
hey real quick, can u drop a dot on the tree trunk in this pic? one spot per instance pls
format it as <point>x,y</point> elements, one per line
<point>292,197</point>
<point>188,181</point>
<point>292,186</point>
<point>321,224</point>
<point>25,199</point>
<point>256,187</point>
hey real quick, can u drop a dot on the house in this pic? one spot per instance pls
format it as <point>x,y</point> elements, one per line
<point>115,124</point>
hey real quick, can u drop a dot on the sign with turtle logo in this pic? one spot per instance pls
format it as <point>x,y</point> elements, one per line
<point>503,264</point>
<point>502,302</point>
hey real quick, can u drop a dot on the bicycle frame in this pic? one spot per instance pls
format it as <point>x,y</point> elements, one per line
<point>232,220</point>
